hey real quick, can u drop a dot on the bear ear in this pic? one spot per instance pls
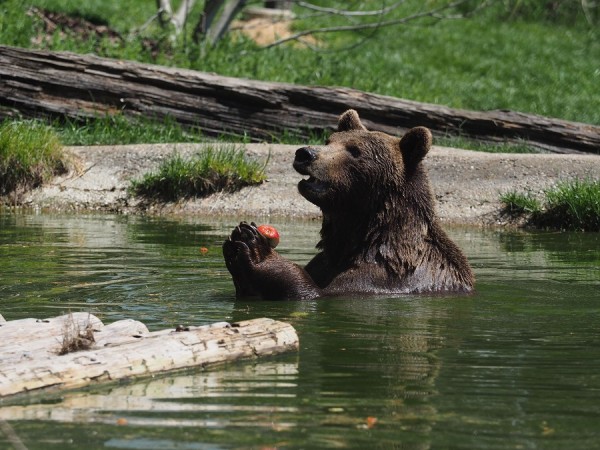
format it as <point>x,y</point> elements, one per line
<point>415,144</point>
<point>350,121</point>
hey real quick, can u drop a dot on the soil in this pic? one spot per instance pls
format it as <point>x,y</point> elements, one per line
<point>466,184</point>
<point>81,29</point>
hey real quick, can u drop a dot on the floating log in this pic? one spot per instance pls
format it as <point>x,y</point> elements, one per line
<point>62,84</point>
<point>31,360</point>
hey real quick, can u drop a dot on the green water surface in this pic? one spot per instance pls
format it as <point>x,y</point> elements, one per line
<point>516,365</point>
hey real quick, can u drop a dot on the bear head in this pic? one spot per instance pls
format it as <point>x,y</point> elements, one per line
<point>358,169</point>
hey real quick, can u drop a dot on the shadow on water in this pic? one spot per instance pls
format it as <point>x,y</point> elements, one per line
<point>514,365</point>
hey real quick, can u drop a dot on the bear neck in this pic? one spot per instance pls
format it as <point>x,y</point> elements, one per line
<point>393,232</point>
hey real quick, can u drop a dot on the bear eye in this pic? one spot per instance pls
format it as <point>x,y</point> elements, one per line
<point>354,150</point>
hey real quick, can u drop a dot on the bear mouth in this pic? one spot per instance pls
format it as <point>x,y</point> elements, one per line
<point>311,186</point>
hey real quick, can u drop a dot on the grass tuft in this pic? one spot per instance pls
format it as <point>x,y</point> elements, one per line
<point>575,205</point>
<point>570,205</point>
<point>30,154</point>
<point>76,338</point>
<point>223,168</point>
<point>518,203</point>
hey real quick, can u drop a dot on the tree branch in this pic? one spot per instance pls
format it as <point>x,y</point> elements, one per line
<point>367,26</point>
<point>348,13</point>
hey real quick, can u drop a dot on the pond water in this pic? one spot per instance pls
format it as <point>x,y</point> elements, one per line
<point>516,365</point>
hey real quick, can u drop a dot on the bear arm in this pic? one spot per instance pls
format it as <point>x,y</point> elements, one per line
<point>277,278</point>
<point>258,270</point>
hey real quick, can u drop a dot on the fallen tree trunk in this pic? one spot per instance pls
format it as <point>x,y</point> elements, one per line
<point>61,84</point>
<point>125,349</point>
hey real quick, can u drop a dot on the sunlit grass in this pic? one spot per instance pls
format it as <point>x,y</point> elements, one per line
<point>30,154</point>
<point>219,168</point>
<point>570,205</point>
<point>574,204</point>
<point>484,146</point>
<point>121,130</point>
<point>520,203</point>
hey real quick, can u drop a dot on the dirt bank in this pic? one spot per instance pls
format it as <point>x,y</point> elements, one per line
<point>466,184</point>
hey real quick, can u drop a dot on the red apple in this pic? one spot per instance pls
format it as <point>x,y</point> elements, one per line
<point>270,233</point>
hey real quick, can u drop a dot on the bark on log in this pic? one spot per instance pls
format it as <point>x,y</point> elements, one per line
<point>128,350</point>
<point>63,84</point>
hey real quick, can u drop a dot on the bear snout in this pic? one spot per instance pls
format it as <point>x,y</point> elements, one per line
<point>306,155</point>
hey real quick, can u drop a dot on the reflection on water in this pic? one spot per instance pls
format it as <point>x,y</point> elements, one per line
<point>179,393</point>
<point>514,365</point>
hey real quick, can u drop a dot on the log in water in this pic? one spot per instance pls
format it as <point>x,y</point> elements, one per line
<point>31,349</point>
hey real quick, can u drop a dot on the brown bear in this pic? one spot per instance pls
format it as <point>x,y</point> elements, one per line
<point>379,235</point>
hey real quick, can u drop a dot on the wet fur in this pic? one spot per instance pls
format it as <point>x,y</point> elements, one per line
<point>379,234</point>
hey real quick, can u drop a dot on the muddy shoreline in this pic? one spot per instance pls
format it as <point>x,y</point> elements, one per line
<point>466,184</point>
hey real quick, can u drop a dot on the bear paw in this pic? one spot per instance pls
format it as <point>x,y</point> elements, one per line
<point>245,248</point>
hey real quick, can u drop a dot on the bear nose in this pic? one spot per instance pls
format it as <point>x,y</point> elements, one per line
<point>305,155</point>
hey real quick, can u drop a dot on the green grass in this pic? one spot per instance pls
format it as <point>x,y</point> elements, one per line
<point>575,205</point>
<point>480,64</point>
<point>522,55</point>
<point>570,205</point>
<point>518,203</point>
<point>551,11</point>
<point>481,146</point>
<point>30,154</point>
<point>220,168</point>
<point>121,130</point>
